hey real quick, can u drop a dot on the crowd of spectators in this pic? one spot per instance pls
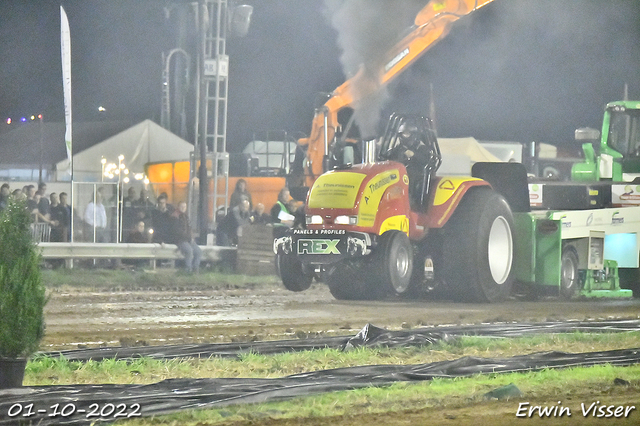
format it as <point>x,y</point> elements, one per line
<point>285,213</point>
<point>51,210</point>
<point>146,221</point>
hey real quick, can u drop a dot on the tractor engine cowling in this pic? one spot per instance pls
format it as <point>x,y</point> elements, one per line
<point>371,198</point>
<point>347,210</point>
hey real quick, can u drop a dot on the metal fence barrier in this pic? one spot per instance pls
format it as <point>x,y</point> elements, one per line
<point>40,232</point>
<point>152,252</point>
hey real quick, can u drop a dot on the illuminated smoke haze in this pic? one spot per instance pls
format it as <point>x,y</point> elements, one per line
<point>366,30</point>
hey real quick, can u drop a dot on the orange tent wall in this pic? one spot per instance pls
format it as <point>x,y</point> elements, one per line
<point>173,178</point>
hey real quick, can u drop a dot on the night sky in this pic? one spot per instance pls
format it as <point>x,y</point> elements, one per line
<point>515,70</point>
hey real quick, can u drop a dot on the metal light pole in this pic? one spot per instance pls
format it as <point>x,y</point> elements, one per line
<point>41,148</point>
<point>201,125</point>
<point>118,202</point>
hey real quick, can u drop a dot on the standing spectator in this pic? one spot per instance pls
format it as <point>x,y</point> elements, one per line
<point>144,201</point>
<point>32,204</point>
<point>231,225</point>
<point>25,190</point>
<point>170,206</point>
<point>131,198</point>
<point>240,193</point>
<point>129,211</point>
<point>17,194</point>
<point>67,224</point>
<point>183,238</point>
<point>161,221</point>
<point>58,230</point>
<point>280,214</point>
<point>59,218</point>
<point>144,206</point>
<point>95,217</point>
<point>43,204</point>
<point>259,216</point>
<point>5,192</point>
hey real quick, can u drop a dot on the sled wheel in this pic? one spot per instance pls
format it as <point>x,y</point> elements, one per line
<point>478,248</point>
<point>630,280</point>
<point>569,278</point>
<point>394,262</point>
<point>293,273</point>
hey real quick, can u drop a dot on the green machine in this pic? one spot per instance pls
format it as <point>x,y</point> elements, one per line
<point>617,155</point>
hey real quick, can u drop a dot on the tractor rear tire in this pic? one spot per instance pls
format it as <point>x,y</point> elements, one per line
<point>478,248</point>
<point>293,273</point>
<point>349,280</point>
<point>569,277</point>
<point>394,262</point>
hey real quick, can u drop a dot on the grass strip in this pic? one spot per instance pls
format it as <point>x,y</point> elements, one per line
<point>44,370</point>
<point>551,385</point>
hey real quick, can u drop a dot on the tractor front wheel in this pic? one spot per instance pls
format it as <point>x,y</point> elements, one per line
<point>394,262</point>
<point>293,273</point>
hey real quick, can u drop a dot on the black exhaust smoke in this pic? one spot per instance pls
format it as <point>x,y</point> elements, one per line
<point>367,30</point>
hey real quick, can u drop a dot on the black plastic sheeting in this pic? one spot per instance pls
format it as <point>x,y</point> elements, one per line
<point>81,401</point>
<point>370,336</point>
<point>182,394</point>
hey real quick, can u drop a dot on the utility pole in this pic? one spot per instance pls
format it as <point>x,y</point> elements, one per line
<point>213,86</point>
<point>215,20</point>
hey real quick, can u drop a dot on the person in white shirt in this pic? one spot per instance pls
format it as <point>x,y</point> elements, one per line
<point>95,217</point>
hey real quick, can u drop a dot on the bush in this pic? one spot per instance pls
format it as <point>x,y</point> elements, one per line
<point>22,293</point>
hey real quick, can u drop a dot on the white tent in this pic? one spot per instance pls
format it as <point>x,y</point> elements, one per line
<point>143,143</point>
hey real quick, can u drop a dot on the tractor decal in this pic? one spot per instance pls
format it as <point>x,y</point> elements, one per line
<point>445,199</point>
<point>372,194</point>
<point>447,187</point>
<point>400,223</point>
<point>337,190</point>
<point>318,246</point>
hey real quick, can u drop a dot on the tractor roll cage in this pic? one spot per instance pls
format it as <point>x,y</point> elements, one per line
<point>390,143</point>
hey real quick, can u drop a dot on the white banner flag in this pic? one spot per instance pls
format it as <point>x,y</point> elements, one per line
<point>65,50</point>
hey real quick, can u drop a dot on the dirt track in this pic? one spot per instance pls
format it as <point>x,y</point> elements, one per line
<point>80,318</point>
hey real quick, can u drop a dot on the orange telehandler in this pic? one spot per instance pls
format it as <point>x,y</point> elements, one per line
<point>431,24</point>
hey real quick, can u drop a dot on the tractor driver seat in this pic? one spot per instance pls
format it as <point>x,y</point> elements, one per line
<point>423,161</point>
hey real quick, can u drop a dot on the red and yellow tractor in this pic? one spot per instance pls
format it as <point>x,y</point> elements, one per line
<point>391,226</point>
